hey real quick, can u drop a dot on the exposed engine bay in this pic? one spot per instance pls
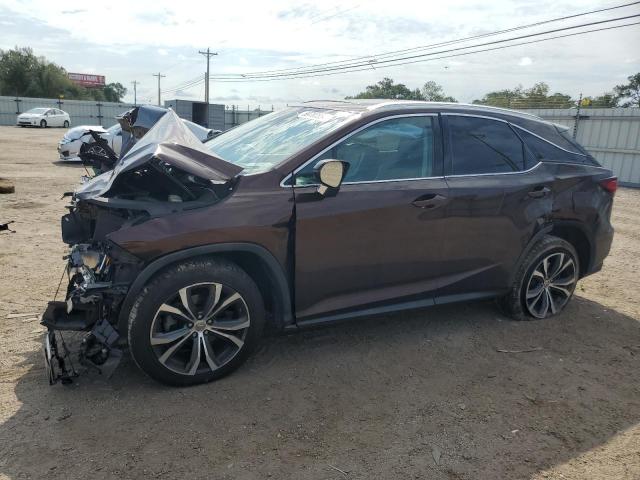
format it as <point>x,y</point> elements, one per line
<point>166,171</point>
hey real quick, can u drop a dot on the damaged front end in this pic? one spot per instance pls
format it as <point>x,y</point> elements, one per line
<point>167,171</point>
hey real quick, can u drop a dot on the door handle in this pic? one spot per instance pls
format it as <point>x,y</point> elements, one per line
<point>539,192</point>
<point>430,201</point>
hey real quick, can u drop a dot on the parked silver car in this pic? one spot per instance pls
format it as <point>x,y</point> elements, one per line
<point>69,146</point>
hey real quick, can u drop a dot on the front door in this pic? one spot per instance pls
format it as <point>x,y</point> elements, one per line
<point>378,240</point>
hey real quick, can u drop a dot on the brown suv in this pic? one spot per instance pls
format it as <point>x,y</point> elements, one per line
<point>317,213</point>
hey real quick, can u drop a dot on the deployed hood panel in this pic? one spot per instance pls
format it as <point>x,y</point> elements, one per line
<point>169,141</point>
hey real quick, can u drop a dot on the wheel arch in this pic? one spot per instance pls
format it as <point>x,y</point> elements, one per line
<point>576,234</point>
<point>571,231</point>
<point>256,260</point>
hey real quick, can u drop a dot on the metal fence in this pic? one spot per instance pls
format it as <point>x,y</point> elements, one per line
<point>90,112</point>
<point>81,112</point>
<point>611,135</point>
<point>234,115</point>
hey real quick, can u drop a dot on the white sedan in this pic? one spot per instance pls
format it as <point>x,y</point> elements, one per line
<point>69,146</point>
<point>44,117</point>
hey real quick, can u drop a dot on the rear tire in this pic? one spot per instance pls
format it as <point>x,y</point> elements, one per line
<point>196,322</point>
<point>65,124</point>
<point>544,282</point>
<point>43,124</point>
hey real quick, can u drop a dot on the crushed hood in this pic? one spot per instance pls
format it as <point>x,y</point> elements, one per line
<point>169,141</point>
<point>78,132</point>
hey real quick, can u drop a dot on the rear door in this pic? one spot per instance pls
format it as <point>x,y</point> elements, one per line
<point>499,197</point>
<point>378,241</point>
<point>57,118</point>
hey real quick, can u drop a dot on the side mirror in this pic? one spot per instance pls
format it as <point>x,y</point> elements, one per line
<point>330,174</point>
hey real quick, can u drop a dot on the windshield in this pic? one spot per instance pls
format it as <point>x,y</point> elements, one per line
<point>263,143</point>
<point>37,110</point>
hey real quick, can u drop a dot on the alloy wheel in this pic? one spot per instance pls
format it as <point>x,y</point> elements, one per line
<point>200,328</point>
<point>551,285</point>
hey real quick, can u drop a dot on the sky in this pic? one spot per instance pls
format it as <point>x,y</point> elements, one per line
<point>127,41</point>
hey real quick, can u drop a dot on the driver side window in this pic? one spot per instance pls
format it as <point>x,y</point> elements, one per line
<point>395,149</point>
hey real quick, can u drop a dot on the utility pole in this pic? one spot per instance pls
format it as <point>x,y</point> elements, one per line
<point>208,54</point>
<point>159,77</point>
<point>135,93</point>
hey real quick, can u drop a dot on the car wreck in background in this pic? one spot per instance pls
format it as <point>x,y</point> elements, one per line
<point>92,144</point>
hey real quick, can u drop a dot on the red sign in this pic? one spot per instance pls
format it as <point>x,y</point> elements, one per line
<point>87,80</point>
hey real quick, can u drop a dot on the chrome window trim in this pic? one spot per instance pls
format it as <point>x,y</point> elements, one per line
<point>315,157</point>
<point>453,114</point>
<point>496,173</point>
<point>365,182</point>
<point>550,143</point>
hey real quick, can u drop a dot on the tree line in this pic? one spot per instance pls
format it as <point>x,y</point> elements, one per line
<point>23,74</point>
<point>538,96</point>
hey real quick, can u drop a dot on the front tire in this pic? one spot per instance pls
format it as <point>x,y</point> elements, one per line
<point>43,124</point>
<point>196,322</point>
<point>545,281</point>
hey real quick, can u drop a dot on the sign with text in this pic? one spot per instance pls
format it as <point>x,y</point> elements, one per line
<point>87,79</point>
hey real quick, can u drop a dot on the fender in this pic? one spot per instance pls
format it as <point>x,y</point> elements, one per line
<point>535,238</point>
<point>589,237</point>
<point>546,230</point>
<point>282,305</point>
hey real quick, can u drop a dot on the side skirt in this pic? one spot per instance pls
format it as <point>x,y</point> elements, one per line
<point>386,309</point>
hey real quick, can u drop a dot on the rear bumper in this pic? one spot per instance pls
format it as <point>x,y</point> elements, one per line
<point>601,246</point>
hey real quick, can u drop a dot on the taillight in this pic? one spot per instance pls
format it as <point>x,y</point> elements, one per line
<point>610,185</point>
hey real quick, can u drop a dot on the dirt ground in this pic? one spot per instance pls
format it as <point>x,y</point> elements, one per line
<point>414,395</point>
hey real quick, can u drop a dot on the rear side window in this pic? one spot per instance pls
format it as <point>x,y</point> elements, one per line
<point>544,151</point>
<point>480,145</point>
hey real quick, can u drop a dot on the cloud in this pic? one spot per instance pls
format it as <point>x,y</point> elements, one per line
<point>147,36</point>
<point>183,93</point>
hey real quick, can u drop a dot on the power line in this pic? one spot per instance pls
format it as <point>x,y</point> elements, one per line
<point>188,86</point>
<point>185,84</point>
<point>433,58</point>
<point>433,45</point>
<point>312,70</point>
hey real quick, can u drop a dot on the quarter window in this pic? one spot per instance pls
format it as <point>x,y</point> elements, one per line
<point>481,145</point>
<point>545,151</point>
<point>395,149</point>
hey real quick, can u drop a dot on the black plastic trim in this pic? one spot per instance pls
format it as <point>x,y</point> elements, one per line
<point>364,312</point>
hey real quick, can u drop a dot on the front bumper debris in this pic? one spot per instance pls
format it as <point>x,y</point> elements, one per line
<point>94,294</point>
